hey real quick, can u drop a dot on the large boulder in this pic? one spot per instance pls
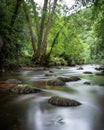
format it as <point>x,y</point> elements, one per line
<point>55,82</point>
<point>69,79</point>
<point>24,89</point>
<point>60,101</point>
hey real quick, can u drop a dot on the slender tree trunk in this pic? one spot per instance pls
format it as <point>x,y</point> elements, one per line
<point>33,40</point>
<point>42,22</point>
<point>36,17</point>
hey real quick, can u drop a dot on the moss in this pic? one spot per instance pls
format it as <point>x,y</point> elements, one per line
<point>69,79</point>
<point>25,89</point>
<point>55,82</point>
<point>60,101</point>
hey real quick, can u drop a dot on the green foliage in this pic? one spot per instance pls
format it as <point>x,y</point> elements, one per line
<point>97,46</point>
<point>74,39</point>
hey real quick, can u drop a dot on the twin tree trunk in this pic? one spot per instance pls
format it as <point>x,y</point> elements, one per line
<point>42,31</point>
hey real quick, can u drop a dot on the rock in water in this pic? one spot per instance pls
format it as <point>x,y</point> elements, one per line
<point>69,79</point>
<point>24,89</point>
<point>60,101</point>
<point>13,81</point>
<point>55,82</point>
<point>87,83</point>
<point>87,72</point>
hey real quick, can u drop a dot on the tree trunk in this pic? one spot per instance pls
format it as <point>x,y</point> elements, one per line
<point>41,52</point>
<point>36,17</point>
<point>33,40</point>
<point>42,23</point>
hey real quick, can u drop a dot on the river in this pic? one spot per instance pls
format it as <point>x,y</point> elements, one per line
<point>35,113</point>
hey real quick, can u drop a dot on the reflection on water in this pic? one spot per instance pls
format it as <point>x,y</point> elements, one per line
<point>35,113</point>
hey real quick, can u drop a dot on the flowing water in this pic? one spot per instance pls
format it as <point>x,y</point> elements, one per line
<point>35,113</point>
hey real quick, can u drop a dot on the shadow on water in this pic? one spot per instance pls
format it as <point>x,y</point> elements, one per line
<point>33,112</point>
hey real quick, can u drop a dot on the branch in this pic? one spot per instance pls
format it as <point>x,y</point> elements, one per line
<point>54,41</point>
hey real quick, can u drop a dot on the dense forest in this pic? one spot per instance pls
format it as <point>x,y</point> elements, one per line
<point>51,34</point>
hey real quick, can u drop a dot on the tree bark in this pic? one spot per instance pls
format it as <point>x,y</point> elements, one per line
<point>33,40</point>
<point>42,22</point>
<point>41,52</point>
<point>36,17</point>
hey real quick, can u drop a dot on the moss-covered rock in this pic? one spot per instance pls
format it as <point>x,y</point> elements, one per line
<point>60,101</point>
<point>55,82</point>
<point>13,81</point>
<point>24,89</point>
<point>69,79</point>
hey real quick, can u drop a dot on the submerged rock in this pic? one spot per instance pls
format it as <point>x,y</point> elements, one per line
<point>100,74</point>
<point>69,79</point>
<point>101,68</point>
<point>24,89</point>
<point>13,81</point>
<point>87,83</point>
<point>60,101</point>
<point>55,82</point>
<point>87,72</point>
<point>80,68</point>
<point>49,74</point>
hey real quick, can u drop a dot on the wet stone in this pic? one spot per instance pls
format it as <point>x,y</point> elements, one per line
<point>55,82</point>
<point>87,83</point>
<point>69,79</point>
<point>24,89</point>
<point>87,72</point>
<point>61,101</point>
<point>13,81</point>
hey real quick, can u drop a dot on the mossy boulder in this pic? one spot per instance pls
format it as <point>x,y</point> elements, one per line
<point>13,81</point>
<point>68,79</point>
<point>24,89</point>
<point>60,101</point>
<point>55,82</point>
